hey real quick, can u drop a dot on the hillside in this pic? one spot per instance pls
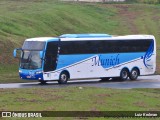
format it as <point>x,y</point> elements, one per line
<point>21,19</point>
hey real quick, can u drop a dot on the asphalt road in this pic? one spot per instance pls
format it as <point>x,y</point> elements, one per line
<point>141,82</point>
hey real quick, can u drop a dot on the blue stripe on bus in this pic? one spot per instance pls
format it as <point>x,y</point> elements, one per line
<point>104,60</point>
<point>65,60</point>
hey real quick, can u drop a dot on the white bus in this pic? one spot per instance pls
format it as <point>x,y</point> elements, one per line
<point>87,56</point>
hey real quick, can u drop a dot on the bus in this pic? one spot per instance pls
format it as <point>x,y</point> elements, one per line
<point>87,56</point>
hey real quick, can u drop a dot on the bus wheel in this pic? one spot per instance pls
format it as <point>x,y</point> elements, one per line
<point>124,74</point>
<point>63,78</point>
<point>134,74</point>
<point>43,82</point>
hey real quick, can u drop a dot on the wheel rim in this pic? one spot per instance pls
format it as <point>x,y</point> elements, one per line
<point>63,77</point>
<point>134,74</point>
<point>124,74</point>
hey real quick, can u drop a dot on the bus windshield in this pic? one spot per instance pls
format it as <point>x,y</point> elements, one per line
<point>33,45</point>
<point>30,60</point>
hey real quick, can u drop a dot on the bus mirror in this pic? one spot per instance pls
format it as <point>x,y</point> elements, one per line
<point>41,54</point>
<point>15,53</point>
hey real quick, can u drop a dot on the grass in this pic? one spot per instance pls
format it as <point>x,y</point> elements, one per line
<point>9,74</point>
<point>76,99</point>
<point>102,100</point>
<point>52,18</point>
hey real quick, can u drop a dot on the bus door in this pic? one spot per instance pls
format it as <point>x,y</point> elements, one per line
<point>51,56</point>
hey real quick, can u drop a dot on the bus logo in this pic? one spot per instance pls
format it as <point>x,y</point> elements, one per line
<point>148,55</point>
<point>31,74</point>
<point>101,61</point>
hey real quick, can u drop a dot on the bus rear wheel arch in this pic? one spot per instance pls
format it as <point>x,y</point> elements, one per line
<point>63,78</point>
<point>134,74</point>
<point>124,74</point>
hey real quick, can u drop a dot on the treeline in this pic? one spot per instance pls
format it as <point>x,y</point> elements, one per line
<point>144,1</point>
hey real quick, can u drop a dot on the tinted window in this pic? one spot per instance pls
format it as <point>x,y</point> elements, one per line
<point>104,46</point>
<point>51,56</point>
<point>79,47</point>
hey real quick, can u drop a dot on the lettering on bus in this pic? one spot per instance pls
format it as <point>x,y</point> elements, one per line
<point>105,62</point>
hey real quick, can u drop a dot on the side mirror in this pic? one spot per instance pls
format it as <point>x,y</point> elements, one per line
<point>15,52</point>
<point>41,54</point>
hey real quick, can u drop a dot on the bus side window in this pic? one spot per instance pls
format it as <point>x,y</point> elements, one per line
<point>51,56</point>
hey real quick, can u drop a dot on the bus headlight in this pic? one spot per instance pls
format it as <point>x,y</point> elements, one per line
<point>39,72</point>
<point>20,71</point>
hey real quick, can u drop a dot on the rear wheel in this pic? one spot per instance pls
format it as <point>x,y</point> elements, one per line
<point>134,74</point>
<point>124,74</point>
<point>63,78</point>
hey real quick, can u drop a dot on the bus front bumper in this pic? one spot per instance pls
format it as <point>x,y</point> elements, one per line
<point>31,74</point>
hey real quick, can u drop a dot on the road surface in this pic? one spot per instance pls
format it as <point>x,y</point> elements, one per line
<point>141,82</point>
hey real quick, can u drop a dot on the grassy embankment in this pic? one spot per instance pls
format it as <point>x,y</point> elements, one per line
<point>24,19</point>
<point>76,99</point>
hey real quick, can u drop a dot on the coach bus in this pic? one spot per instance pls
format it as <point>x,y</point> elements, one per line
<point>87,56</point>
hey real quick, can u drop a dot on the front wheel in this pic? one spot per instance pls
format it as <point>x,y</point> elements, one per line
<point>42,81</point>
<point>134,74</point>
<point>63,78</point>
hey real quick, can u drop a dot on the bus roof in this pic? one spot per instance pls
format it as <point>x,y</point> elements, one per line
<point>133,37</point>
<point>89,35</point>
<point>81,37</point>
<point>42,39</point>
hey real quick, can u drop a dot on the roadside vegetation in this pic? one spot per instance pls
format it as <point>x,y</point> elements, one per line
<point>79,99</point>
<point>144,1</point>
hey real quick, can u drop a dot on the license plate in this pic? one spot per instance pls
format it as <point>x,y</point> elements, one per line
<point>28,76</point>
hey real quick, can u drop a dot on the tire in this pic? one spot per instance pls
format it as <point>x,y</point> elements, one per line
<point>43,82</point>
<point>124,74</point>
<point>134,74</point>
<point>63,78</point>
